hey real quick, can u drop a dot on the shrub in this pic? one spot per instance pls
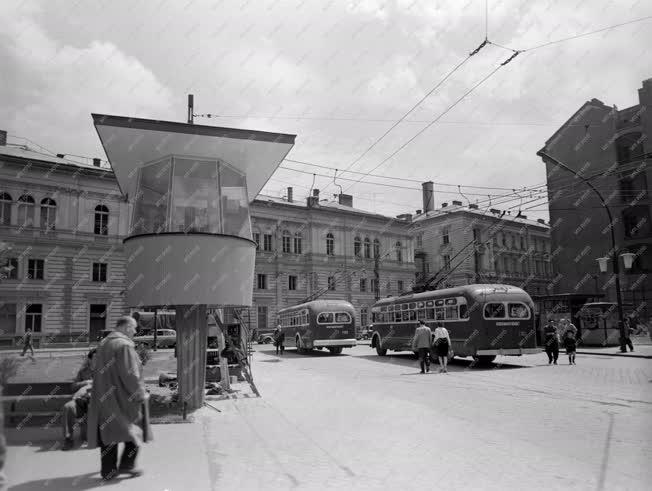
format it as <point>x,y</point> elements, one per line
<point>144,353</point>
<point>8,369</point>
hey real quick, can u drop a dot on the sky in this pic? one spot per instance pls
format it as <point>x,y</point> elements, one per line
<point>338,74</point>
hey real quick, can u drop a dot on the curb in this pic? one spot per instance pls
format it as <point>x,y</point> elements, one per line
<point>622,355</point>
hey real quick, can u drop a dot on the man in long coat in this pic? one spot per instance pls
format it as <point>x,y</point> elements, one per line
<point>116,409</point>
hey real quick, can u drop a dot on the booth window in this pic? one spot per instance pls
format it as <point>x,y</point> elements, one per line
<point>151,207</point>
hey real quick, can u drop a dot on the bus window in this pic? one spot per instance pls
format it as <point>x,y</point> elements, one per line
<point>420,305</point>
<point>451,301</point>
<point>413,315</point>
<point>342,317</point>
<point>439,303</point>
<point>406,316</point>
<point>451,313</point>
<point>397,317</point>
<point>430,314</point>
<point>518,311</point>
<point>325,318</point>
<point>494,311</point>
<point>439,314</point>
<point>421,313</point>
<point>412,305</point>
<point>464,313</point>
<point>390,308</point>
<point>430,303</point>
<point>383,309</point>
<point>404,306</point>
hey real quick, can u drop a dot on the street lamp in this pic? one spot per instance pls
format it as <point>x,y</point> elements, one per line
<point>602,261</point>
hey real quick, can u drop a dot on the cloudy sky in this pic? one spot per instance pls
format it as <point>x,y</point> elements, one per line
<point>338,74</point>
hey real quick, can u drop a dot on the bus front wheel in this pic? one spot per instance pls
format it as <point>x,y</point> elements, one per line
<point>484,359</point>
<point>336,350</point>
<point>380,351</point>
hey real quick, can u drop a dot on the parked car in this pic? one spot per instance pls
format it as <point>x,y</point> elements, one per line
<point>165,338</point>
<point>266,338</point>
<point>365,332</point>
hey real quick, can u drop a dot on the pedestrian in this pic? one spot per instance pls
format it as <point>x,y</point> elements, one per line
<point>279,339</point>
<point>551,341</point>
<point>117,410</point>
<point>421,343</point>
<point>442,346</point>
<point>629,330</point>
<point>27,342</point>
<point>570,340</point>
<point>77,408</point>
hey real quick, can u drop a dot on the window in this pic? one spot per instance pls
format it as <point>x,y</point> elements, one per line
<point>11,269</point>
<point>267,242</point>
<point>629,147</point>
<point>447,261</point>
<point>445,238</point>
<point>374,285</point>
<point>524,267</point>
<point>506,265</point>
<point>35,269</point>
<point>419,244</point>
<point>376,248</point>
<point>261,281</point>
<point>522,243</point>
<point>496,265</point>
<point>494,311</point>
<point>298,246</point>
<point>99,272</point>
<point>331,283</point>
<point>357,247</point>
<point>7,318</point>
<point>330,244</point>
<point>325,318</point>
<point>34,317</point>
<point>636,221</point>
<point>256,237</point>
<point>101,220</point>
<point>5,209</point>
<point>292,282</point>
<point>26,211</point>
<point>399,251</point>
<point>363,284</point>
<point>633,187</point>
<point>367,248</point>
<point>518,311</point>
<point>48,213</point>
<point>342,317</point>
<point>364,315</point>
<point>287,239</point>
<point>399,286</point>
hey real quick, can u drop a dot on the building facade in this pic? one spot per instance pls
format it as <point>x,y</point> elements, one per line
<point>610,148</point>
<point>458,245</point>
<point>62,224</point>
<point>61,228</point>
<point>326,249</point>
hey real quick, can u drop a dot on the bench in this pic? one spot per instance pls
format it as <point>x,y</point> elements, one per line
<point>27,401</point>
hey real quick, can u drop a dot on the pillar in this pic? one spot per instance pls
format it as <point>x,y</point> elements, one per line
<point>192,340</point>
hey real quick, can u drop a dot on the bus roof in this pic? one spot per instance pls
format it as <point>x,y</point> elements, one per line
<point>321,305</point>
<point>475,291</point>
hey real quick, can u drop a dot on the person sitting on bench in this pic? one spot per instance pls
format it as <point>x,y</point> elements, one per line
<point>77,407</point>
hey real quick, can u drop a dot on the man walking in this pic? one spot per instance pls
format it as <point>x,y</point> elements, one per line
<point>421,344</point>
<point>551,341</point>
<point>27,342</point>
<point>116,409</point>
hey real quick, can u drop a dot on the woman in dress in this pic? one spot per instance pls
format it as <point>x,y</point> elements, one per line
<point>442,345</point>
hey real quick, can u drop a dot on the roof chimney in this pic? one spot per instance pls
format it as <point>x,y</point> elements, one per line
<point>345,199</point>
<point>444,205</point>
<point>406,217</point>
<point>524,217</point>
<point>418,212</point>
<point>61,155</point>
<point>97,162</point>
<point>457,203</point>
<point>3,138</point>
<point>473,206</point>
<point>315,193</point>
<point>541,220</point>
<point>495,211</point>
<point>289,195</point>
<point>428,196</point>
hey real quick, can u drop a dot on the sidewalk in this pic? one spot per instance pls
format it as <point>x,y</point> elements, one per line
<point>640,351</point>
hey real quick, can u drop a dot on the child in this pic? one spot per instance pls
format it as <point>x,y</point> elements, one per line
<point>570,342</point>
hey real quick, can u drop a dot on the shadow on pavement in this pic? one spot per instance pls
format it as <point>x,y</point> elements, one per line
<point>293,353</point>
<point>455,365</point>
<point>91,480</point>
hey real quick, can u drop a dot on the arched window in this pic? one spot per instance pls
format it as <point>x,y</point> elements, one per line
<point>287,242</point>
<point>376,248</point>
<point>26,211</point>
<point>48,213</point>
<point>357,247</point>
<point>298,243</point>
<point>101,220</point>
<point>330,244</point>
<point>367,248</point>
<point>399,251</point>
<point>5,208</point>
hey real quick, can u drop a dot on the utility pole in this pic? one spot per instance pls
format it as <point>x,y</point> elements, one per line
<point>191,109</point>
<point>377,276</point>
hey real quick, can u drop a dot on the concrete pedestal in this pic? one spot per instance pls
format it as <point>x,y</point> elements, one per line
<point>191,354</point>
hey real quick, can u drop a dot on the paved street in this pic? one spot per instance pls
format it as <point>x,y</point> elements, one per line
<point>359,421</point>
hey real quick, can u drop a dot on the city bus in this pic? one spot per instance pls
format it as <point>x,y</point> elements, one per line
<point>483,320</point>
<point>319,324</point>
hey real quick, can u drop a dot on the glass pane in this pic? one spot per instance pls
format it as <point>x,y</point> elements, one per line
<point>235,203</point>
<point>151,208</point>
<point>195,196</point>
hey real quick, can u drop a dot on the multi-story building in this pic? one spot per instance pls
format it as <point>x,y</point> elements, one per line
<point>326,249</point>
<point>610,148</point>
<point>61,227</point>
<point>459,245</point>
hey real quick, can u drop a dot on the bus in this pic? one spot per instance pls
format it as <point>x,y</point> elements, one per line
<point>484,320</point>
<point>319,324</point>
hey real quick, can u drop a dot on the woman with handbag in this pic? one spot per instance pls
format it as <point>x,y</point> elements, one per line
<point>442,345</point>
